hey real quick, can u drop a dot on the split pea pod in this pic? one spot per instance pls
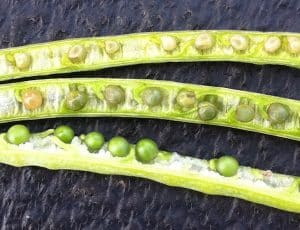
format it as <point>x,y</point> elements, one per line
<point>224,176</point>
<point>81,54</point>
<point>150,99</point>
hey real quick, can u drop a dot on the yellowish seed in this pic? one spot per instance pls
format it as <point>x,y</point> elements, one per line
<point>32,99</point>
<point>77,53</point>
<point>294,44</point>
<point>204,41</point>
<point>111,47</point>
<point>272,44</point>
<point>239,42</point>
<point>169,43</point>
<point>22,60</point>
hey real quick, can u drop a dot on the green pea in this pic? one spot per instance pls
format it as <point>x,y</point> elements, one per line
<point>119,146</point>
<point>114,94</point>
<point>18,134</point>
<point>76,100</point>
<point>64,133</point>
<point>227,166</point>
<point>146,150</point>
<point>186,98</point>
<point>207,111</point>
<point>278,113</point>
<point>152,96</point>
<point>244,113</point>
<point>94,141</point>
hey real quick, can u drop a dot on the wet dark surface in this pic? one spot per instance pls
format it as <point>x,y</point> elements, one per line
<point>35,198</point>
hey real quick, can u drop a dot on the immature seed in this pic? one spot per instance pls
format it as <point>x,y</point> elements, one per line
<point>94,141</point>
<point>169,43</point>
<point>244,113</point>
<point>239,42</point>
<point>152,96</point>
<point>64,133</point>
<point>114,94</point>
<point>204,41</point>
<point>111,47</point>
<point>278,113</point>
<point>186,98</point>
<point>17,134</point>
<point>207,111</point>
<point>76,100</point>
<point>294,44</point>
<point>119,146</point>
<point>32,99</point>
<point>77,53</point>
<point>23,60</point>
<point>272,44</point>
<point>227,166</point>
<point>146,150</point>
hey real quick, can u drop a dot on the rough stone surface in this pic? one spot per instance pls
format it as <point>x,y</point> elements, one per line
<point>35,198</point>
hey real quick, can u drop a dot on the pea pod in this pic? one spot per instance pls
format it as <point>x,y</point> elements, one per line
<point>82,54</point>
<point>153,99</point>
<point>223,176</point>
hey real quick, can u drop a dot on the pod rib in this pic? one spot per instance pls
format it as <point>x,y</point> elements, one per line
<point>82,54</point>
<point>58,96</point>
<point>192,173</point>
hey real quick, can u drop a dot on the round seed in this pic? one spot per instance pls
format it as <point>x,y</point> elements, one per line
<point>77,53</point>
<point>18,134</point>
<point>32,99</point>
<point>114,94</point>
<point>294,44</point>
<point>111,47</point>
<point>278,113</point>
<point>186,98</point>
<point>94,141</point>
<point>227,166</point>
<point>152,96</point>
<point>146,150</point>
<point>204,41</point>
<point>119,146</point>
<point>169,43</point>
<point>207,111</point>
<point>244,113</point>
<point>272,44</point>
<point>64,133</point>
<point>239,42</point>
<point>23,60</point>
<point>76,100</point>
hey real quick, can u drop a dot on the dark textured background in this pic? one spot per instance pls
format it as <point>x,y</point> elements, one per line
<point>35,198</point>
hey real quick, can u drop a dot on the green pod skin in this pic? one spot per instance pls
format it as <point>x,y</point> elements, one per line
<point>262,187</point>
<point>225,100</point>
<point>82,54</point>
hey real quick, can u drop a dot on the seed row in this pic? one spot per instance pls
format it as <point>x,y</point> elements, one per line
<point>153,99</point>
<point>101,52</point>
<point>60,148</point>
